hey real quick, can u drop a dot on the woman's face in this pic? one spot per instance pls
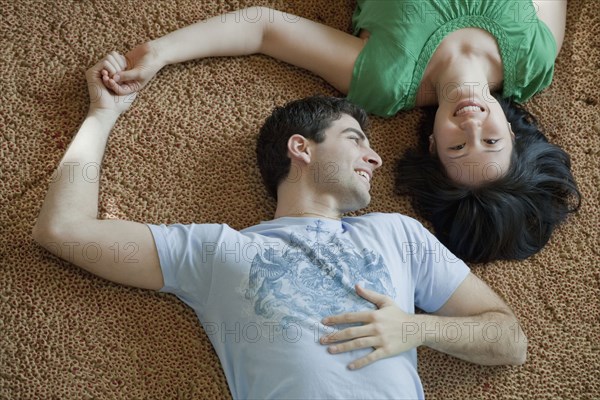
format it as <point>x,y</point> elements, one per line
<point>473,140</point>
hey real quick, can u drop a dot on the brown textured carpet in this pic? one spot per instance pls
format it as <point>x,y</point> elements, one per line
<point>185,152</point>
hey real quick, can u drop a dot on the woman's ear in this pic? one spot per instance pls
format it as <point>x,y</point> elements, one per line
<point>298,148</point>
<point>432,148</point>
<point>512,134</point>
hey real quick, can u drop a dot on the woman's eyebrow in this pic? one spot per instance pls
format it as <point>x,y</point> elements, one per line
<point>485,151</point>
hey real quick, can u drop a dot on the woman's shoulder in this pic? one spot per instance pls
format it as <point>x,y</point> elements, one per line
<point>533,66</point>
<point>382,76</point>
<point>553,13</point>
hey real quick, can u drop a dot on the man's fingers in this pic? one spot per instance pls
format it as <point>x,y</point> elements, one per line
<point>360,343</point>
<point>112,85</point>
<point>378,299</point>
<point>120,90</point>
<point>347,334</point>
<point>368,359</point>
<point>348,318</point>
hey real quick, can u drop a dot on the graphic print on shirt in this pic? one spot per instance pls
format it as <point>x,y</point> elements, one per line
<point>311,279</point>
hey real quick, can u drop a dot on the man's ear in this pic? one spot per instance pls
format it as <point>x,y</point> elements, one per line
<point>298,148</point>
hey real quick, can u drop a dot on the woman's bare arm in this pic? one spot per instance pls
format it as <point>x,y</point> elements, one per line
<point>327,52</point>
<point>554,14</point>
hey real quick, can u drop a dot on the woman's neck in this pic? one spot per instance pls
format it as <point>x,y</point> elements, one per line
<point>469,59</point>
<point>459,76</point>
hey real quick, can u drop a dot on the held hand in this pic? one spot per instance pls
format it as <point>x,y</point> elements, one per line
<point>129,74</point>
<point>100,97</point>
<point>382,330</point>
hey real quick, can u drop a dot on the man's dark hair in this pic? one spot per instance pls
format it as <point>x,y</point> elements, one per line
<point>508,218</point>
<point>309,117</point>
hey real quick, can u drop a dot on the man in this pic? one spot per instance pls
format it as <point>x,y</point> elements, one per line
<point>310,304</point>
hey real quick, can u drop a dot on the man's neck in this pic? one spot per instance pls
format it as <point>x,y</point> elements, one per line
<point>305,209</point>
<point>294,202</point>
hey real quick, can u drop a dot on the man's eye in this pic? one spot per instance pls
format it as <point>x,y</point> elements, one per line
<point>356,139</point>
<point>459,147</point>
<point>492,141</point>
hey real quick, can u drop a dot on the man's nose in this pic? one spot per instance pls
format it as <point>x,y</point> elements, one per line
<point>373,158</point>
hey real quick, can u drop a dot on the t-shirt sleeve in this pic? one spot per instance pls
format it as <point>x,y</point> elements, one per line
<point>186,255</point>
<point>437,272</point>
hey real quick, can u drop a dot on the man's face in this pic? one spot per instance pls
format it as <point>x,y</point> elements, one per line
<point>343,164</point>
<point>473,140</point>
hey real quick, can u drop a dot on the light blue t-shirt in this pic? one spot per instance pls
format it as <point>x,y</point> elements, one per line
<point>261,293</point>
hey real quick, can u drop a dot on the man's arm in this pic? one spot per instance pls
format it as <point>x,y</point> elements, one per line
<point>120,251</point>
<point>474,325</point>
<point>328,52</point>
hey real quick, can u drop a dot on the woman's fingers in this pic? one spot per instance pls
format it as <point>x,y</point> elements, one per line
<point>108,65</point>
<point>116,63</point>
<point>119,59</point>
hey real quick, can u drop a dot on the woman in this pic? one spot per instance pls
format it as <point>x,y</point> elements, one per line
<point>485,176</point>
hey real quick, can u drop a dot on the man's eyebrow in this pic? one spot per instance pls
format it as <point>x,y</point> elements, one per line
<point>485,151</point>
<point>359,133</point>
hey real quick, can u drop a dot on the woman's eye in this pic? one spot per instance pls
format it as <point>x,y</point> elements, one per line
<point>492,141</point>
<point>459,147</point>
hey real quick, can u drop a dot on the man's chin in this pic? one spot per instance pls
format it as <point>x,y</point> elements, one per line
<point>362,202</point>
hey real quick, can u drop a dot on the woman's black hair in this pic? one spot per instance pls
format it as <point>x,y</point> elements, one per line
<point>508,218</point>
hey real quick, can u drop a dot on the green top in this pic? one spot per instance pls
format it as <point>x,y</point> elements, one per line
<point>406,33</point>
